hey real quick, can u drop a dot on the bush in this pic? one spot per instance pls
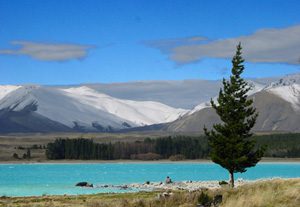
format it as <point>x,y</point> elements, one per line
<point>16,156</point>
<point>145,156</point>
<point>35,146</point>
<point>204,199</point>
<point>177,157</point>
<point>223,182</point>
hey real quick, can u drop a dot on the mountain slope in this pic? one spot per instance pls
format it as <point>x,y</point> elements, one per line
<point>6,89</point>
<point>278,105</point>
<point>176,93</point>
<point>63,109</point>
<point>255,87</point>
<point>138,112</point>
<point>33,108</point>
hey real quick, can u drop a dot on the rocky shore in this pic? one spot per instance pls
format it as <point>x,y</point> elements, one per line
<point>182,185</point>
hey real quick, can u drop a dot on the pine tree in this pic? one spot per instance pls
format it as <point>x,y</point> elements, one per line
<point>229,141</point>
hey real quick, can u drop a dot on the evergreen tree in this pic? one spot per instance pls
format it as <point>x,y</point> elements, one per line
<point>229,141</point>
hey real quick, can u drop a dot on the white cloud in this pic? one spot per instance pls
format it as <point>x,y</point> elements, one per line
<point>48,51</point>
<point>263,46</point>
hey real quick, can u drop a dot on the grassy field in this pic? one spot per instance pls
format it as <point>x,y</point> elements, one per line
<point>275,193</point>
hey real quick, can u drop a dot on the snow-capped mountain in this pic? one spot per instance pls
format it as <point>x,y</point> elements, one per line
<point>278,105</point>
<point>6,89</point>
<point>82,108</point>
<point>138,112</point>
<point>287,88</point>
<point>255,87</point>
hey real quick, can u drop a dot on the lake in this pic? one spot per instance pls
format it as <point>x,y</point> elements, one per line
<point>59,179</point>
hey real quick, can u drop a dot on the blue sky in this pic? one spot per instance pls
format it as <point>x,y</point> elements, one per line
<point>85,41</point>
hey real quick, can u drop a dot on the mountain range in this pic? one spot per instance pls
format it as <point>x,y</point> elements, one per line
<point>174,106</point>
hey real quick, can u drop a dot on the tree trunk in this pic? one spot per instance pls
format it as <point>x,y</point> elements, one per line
<point>231,179</point>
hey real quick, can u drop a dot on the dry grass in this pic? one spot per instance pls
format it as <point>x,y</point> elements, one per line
<point>281,193</point>
<point>275,193</point>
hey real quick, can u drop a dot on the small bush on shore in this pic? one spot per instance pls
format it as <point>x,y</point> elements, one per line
<point>145,156</point>
<point>177,157</point>
<point>16,156</point>
<point>223,182</point>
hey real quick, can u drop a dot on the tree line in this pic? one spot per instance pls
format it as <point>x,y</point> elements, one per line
<point>160,148</point>
<point>278,145</point>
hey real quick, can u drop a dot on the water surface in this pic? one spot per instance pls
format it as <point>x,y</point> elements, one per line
<point>59,179</point>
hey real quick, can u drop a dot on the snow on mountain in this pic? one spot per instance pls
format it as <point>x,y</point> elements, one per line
<point>255,87</point>
<point>55,105</point>
<point>139,112</point>
<point>6,89</point>
<point>85,108</point>
<point>287,88</point>
<point>88,109</point>
<point>287,80</point>
<point>277,104</point>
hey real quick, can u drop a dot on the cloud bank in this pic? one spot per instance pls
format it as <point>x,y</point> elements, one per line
<point>48,51</point>
<point>263,46</point>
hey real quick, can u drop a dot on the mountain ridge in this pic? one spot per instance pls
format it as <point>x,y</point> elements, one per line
<point>84,108</point>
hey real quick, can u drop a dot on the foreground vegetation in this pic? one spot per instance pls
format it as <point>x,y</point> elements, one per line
<point>174,148</point>
<point>261,193</point>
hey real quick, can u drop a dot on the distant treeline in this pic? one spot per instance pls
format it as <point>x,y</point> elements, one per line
<point>278,145</point>
<point>160,148</point>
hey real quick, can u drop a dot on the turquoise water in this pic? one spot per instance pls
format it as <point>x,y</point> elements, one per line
<point>58,179</point>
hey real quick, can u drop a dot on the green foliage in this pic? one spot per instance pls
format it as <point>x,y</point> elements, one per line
<point>187,147</point>
<point>230,144</point>
<point>83,149</point>
<point>279,145</point>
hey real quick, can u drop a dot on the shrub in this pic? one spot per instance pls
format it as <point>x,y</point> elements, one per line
<point>145,156</point>
<point>204,199</point>
<point>177,157</point>
<point>223,182</point>
<point>16,156</point>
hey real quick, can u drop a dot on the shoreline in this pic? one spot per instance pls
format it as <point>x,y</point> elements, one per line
<point>258,193</point>
<point>164,161</point>
<point>160,187</point>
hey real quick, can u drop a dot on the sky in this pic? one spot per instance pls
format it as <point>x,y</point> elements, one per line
<point>90,41</point>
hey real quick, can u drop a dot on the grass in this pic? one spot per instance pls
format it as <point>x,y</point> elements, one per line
<point>285,193</point>
<point>272,193</point>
